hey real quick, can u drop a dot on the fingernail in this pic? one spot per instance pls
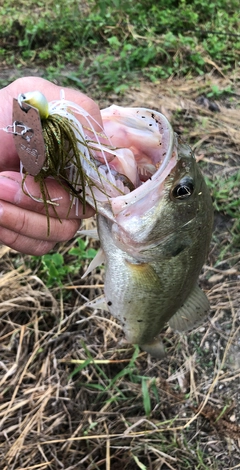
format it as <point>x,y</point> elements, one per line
<point>6,181</point>
<point>1,209</point>
<point>9,188</point>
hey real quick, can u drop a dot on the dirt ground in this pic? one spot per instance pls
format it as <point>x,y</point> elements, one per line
<point>73,393</point>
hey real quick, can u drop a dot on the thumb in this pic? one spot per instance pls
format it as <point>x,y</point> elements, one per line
<point>9,159</point>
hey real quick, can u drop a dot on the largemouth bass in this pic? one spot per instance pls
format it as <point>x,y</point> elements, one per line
<point>154,219</point>
<point>154,239</point>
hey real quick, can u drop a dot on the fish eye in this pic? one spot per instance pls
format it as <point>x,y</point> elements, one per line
<point>184,189</point>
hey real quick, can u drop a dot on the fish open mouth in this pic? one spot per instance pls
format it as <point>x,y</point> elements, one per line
<point>140,153</point>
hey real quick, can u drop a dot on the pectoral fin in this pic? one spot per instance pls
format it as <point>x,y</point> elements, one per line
<point>97,261</point>
<point>143,273</point>
<point>193,311</point>
<point>93,233</point>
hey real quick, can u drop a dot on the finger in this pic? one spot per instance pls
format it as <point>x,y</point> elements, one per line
<point>26,245</point>
<point>11,191</point>
<point>8,155</point>
<point>34,225</point>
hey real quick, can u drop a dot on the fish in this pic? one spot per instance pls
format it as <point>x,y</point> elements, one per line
<point>154,239</point>
<point>154,216</point>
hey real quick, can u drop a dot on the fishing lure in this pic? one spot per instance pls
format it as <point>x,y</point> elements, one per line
<point>51,142</point>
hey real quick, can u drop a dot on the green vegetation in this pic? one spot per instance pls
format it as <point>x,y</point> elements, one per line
<point>113,42</point>
<point>117,394</point>
<point>225,194</point>
<point>54,267</point>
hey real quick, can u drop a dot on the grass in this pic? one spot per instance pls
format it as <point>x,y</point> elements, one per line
<point>112,44</point>
<point>53,268</point>
<point>74,395</point>
<point>225,193</point>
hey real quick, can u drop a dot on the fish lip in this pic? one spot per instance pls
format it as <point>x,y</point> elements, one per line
<point>169,153</point>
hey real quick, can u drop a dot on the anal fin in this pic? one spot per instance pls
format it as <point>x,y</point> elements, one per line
<point>99,302</point>
<point>192,313</point>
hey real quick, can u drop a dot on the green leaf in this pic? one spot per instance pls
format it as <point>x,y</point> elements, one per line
<point>146,396</point>
<point>139,464</point>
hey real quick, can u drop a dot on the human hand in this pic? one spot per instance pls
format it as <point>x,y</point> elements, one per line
<point>23,221</point>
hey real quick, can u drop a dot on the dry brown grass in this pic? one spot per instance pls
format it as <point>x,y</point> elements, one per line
<point>74,395</point>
